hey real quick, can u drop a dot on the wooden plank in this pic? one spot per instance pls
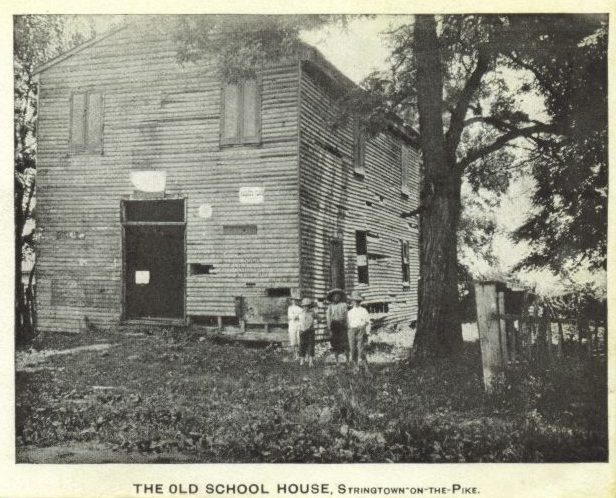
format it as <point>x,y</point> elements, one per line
<point>493,361</point>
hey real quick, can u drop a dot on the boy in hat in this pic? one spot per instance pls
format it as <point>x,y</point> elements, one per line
<point>359,328</point>
<point>337,322</point>
<point>307,325</point>
<point>293,316</point>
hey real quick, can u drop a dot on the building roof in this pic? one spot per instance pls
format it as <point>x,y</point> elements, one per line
<point>307,53</point>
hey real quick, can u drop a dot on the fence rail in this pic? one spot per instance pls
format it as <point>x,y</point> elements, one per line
<point>517,326</point>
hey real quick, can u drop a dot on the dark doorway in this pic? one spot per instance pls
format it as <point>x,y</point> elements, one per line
<point>154,265</point>
<point>336,271</point>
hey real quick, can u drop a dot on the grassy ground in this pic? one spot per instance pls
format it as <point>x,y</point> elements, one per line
<point>172,397</point>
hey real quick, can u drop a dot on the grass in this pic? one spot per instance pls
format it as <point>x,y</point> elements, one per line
<point>190,399</point>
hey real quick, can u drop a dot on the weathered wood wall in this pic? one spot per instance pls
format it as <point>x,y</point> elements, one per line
<point>335,202</point>
<point>159,115</point>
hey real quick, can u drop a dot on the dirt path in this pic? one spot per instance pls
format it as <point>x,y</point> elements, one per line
<point>93,453</point>
<point>29,360</point>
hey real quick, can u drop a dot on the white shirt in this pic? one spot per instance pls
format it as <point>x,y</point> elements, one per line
<point>358,317</point>
<point>293,315</point>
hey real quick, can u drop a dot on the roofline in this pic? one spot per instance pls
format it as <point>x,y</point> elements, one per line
<point>75,50</point>
<point>309,53</point>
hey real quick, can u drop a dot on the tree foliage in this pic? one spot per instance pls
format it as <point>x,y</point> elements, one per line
<point>239,44</point>
<point>569,225</point>
<point>36,39</point>
<point>491,64</point>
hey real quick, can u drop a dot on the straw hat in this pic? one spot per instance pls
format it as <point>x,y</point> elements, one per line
<point>306,301</point>
<point>331,293</point>
<point>355,296</point>
<point>296,295</point>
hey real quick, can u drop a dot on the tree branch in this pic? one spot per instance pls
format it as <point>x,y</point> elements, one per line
<point>502,141</point>
<point>456,124</point>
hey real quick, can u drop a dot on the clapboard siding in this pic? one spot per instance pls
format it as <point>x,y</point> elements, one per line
<point>159,115</point>
<point>334,204</point>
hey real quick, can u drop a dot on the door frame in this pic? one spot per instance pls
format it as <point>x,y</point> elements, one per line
<point>124,224</point>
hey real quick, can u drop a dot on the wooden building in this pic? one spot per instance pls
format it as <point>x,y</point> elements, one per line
<point>166,195</point>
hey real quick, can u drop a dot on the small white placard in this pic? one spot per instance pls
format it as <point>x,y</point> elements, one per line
<point>142,277</point>
<point>251,195</point>
<point>205,211</point>
<point>362,260</point>
<point>149,180</point>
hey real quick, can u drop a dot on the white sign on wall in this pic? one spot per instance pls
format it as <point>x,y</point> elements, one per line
<point>205,211</point>
<point>251,195</point>
<point>149,180</point>
<point>142,277</point>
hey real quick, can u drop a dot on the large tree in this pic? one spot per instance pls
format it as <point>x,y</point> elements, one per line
<point>462,79</point>
<point>462,67</point>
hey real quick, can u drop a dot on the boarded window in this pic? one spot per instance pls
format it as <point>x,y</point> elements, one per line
<point>250,110</point>
<point>405,168</point>
<point>78,129</point>
<point>278,292</point>
<point>200,269</point>
<point>230,128</point>
<point>359,148</point>
<point>241,113</point>
<point>406,276</point>
<point>361,250</point>
<point>239,229</point>
<point>336,269</point>
<point>87,122</point>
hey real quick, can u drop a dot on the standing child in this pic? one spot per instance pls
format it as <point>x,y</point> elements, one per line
<point>359,328</point>
<point>307,325</point>
<point>337,322</point>
<point>293,316</point>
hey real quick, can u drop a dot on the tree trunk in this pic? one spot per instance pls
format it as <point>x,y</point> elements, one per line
<point>438,327</point>
<point>20,333</point>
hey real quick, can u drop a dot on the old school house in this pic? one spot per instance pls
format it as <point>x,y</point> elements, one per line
<point>167,195</point>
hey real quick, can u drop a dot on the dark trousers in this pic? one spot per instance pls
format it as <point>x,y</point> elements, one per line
<point>306,342</point>
<point>339,339</point>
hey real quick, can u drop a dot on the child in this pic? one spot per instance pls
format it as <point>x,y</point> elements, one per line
<point>337,323</point>
<point>293,316</point>
<point>359,328</point>
<point>307,325</point>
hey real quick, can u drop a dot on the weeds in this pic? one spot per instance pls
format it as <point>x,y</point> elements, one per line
<point>179,395</point>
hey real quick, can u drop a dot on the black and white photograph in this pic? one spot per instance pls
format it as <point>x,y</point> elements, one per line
<point>310,238</point>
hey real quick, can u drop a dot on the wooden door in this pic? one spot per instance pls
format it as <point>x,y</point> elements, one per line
<point>336,270</point>
<point>154,271</point>
<point>154,258</point>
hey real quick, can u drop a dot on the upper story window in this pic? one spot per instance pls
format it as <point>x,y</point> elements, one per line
<point>406,163</point>
<point>406,273</point>
<point>241,113</point>
<point>87,122</point>
<point>359,148</point>
<point>361,251</point>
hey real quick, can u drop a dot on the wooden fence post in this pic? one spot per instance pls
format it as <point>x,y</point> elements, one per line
<point>488,323</point>
<point>502,325</point>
